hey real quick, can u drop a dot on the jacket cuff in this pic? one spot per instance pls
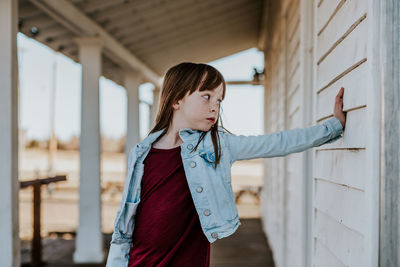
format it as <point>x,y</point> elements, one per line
<point>118,255</point>
<point>335,126</point>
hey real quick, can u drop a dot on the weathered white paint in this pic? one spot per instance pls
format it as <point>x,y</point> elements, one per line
<point>347,161</point>
<point>9,203</point>
<point>354,98</point>
<point>354,46</point>
<point>306,82</point>
<point>133,80</point>
<point>343,181</point>
<point>273,195</point>
<point>340,25</point>
<point>373,124</point>
<point>389,21</point>
<point>294,248</point>
<point>331,193</point>
<point>89,239</point>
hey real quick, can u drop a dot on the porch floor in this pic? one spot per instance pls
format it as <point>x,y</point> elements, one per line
<point>246,247</point>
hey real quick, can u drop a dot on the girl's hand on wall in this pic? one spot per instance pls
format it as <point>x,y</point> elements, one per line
<point>338,109</point>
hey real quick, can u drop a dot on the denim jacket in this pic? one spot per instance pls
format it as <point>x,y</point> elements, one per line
<point>211,189</point>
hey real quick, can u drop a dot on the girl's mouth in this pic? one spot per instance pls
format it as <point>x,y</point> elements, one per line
<point>211,120</point>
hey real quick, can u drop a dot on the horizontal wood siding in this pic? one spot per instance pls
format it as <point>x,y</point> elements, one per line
<point>275,105</point>
<point>344,211</point>
<point>339,175</point>
<point>295,216</point>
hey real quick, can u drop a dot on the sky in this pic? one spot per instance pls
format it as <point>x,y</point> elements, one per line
<point>40,68</point>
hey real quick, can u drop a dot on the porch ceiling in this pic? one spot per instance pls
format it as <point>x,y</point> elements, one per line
<point>155,34</point>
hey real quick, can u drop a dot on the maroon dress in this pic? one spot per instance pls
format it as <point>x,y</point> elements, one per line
<point>167,227</point>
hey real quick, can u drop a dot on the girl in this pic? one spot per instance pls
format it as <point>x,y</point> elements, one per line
<point>178,196</point>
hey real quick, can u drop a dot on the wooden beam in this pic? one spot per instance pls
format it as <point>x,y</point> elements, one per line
<point>263,27</point>
<point>91,6</point>
<point>224,27</point>
<point>73,18</point>
<point>244,82</point>
<point>191,23</point>
<point>119,11</point>
<point>158,16</point>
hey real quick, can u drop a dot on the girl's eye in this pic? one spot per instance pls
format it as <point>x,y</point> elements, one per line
<point>219,101</point>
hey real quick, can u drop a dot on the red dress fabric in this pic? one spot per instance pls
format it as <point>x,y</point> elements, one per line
<point>167,227</point>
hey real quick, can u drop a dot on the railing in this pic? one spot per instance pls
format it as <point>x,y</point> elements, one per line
<point>36,249</point>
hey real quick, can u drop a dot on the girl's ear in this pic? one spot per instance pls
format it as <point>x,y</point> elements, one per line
<point>176,105</point>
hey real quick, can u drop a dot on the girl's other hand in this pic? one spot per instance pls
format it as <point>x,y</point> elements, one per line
<point>338,108</point>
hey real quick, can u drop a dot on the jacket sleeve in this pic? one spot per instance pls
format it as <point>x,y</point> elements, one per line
<point>118,255</point>
<point>283,143</point>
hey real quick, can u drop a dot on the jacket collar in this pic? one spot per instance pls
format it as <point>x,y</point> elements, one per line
<point>187,134</point>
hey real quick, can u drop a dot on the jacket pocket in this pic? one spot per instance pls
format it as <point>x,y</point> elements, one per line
<point>208,156</point>
<point>127,220</point>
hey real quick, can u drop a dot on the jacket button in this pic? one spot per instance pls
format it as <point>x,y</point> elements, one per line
<point>190,146</point>
<point>192,164</point>
<point>207,212</point>
<point>214,235</point>
<point>199,189</point>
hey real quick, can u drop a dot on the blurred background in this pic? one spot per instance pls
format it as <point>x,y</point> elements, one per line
<point>50,97</point>
<point>50,127</point>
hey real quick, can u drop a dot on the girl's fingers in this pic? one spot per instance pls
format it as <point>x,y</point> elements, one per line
<point>338,107</point>
<point>339,96</point>
<point>341,92</point>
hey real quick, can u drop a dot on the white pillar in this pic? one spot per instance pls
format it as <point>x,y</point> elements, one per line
<point>389,198</point>
<point>132,82</point>
<point>154,107</point>
<point>89,240</point>
<point>307,69</point>
<point>9,219</point>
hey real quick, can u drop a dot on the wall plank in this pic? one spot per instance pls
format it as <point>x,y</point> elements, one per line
<point>355,91</point>
<point>326,11</point>
<point>347,54</point>
<point>342,203</point>
<point>354,136</point>
<point>324,257</point>
<point>341,167</point>
<point>343,242</point>
<point>340,25</point>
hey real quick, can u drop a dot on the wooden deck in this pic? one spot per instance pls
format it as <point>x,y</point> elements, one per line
<point>246,247</point>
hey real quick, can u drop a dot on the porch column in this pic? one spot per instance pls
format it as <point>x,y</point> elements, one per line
<point>154,107</point>
<point>9,204</point>
<point>389,236</point>
<point>306,52</point>
<point>133,80</point>
<point>89,239</point>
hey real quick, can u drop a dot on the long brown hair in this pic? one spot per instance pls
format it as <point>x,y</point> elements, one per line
<point>180,79</point>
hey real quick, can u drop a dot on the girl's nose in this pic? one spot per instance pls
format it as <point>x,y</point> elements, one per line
<point>214,108</point>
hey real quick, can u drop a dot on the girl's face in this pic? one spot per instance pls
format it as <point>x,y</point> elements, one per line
<point>199,110</point>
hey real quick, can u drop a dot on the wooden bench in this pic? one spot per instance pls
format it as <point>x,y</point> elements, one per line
<point>253,190</point>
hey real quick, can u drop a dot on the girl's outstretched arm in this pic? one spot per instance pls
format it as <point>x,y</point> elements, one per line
<point>282,143</point>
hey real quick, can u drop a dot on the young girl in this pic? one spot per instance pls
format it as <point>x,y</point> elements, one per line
<point>178,196</point>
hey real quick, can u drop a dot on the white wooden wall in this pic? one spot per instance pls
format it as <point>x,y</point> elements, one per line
<point>275,113</point>
<point>344,210</point>
<point>345,181</point>
<point>295,196</point>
